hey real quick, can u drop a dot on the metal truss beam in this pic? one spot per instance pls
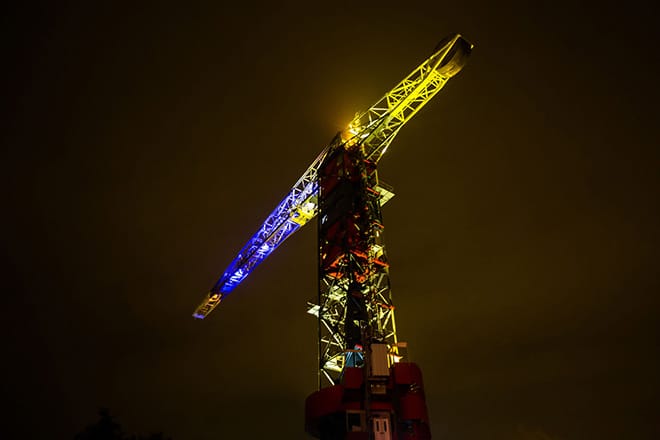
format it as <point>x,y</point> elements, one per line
<point>355,306</point>
<point>374,130</point>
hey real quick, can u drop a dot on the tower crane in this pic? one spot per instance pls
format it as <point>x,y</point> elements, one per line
<point>367,388</point>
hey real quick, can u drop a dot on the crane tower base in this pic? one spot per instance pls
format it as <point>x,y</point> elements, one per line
<point>369,408</point>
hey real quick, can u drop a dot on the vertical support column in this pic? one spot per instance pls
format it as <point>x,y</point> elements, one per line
<point>355,307</point>
<point>363,394</point>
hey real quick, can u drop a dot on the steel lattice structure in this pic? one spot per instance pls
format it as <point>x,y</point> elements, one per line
<point>366,390</point>
<point>354,306</point>
<point>374,130</point>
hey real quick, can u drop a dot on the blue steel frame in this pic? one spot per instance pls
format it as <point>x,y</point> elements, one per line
<point>296,209</point>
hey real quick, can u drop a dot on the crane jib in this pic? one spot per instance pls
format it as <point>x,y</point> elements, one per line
<point>373,131</point>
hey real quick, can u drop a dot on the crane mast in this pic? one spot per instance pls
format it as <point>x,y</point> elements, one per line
<point>367,389</point>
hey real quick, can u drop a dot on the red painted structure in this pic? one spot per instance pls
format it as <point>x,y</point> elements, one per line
<point>339,412</point>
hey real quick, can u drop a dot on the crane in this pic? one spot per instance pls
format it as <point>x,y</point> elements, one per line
<point>367,389</point>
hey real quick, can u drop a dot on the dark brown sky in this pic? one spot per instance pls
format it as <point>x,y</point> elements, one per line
<point>145,144</point>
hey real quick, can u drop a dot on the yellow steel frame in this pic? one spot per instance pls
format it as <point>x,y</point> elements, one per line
<point>375,128</point>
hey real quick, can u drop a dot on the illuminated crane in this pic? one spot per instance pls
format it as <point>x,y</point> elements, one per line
<point>370,392</point>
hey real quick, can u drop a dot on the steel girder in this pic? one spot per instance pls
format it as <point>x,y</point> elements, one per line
<point>354,306</point>
<point>373,130</point>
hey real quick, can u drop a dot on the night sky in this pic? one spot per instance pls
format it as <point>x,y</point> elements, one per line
<point>144,144</point>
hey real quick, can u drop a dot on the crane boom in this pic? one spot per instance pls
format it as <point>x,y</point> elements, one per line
<point>374,129</point>
<point>378,126</point>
